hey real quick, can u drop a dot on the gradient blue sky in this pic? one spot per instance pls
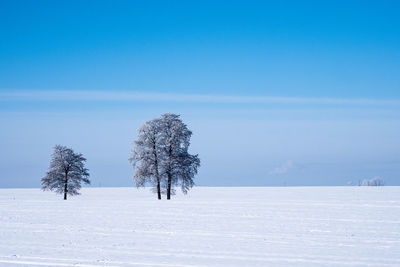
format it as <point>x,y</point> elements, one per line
<point>288,93</point>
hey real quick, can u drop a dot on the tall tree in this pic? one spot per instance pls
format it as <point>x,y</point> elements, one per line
<point>160,155</point>
<point>66,172</point>
<point>146,154</point>
<point>178,166</point>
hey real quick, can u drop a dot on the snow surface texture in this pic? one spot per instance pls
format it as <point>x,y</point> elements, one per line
<point>293,226</point>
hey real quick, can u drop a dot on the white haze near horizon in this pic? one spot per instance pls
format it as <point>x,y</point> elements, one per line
<point>269,142</point>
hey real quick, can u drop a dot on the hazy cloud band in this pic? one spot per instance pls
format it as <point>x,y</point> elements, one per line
<point>116,96</point>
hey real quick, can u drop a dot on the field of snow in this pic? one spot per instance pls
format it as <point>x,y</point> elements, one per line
<point>287,226</point>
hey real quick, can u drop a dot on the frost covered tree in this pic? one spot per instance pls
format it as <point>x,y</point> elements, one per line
<point>146,155</point>
<point>66,172</point>
<point>160,156</point>
<point>376,181</point>
<point>178,167</point>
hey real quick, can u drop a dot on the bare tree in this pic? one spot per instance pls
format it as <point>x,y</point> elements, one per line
<point>66,172</point>
<point>160,156</point>
<point>178,166</point>
<point>145,156</point>
<point>376,181</point>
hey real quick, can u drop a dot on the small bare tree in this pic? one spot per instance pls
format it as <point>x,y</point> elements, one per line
<point>66,172</point>
<point>376,181</point>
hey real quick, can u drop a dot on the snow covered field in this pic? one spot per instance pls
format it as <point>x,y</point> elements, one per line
<point>287,226</point>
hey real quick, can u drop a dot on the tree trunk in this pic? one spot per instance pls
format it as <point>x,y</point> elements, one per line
<point>169,173</point>
<point>66,186</point>
<point>157,174</point>
<point>169,186</point>
<point>158,187</point>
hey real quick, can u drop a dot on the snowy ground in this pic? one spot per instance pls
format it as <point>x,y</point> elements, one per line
<point>303,226</point>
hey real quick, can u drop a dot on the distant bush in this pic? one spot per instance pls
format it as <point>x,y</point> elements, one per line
<point>376,181</point>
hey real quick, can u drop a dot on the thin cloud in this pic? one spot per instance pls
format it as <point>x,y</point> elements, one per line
<point>284,168</point>
<point>136,96</point>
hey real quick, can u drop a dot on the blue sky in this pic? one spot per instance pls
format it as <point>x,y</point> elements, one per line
<point>288,93</point>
